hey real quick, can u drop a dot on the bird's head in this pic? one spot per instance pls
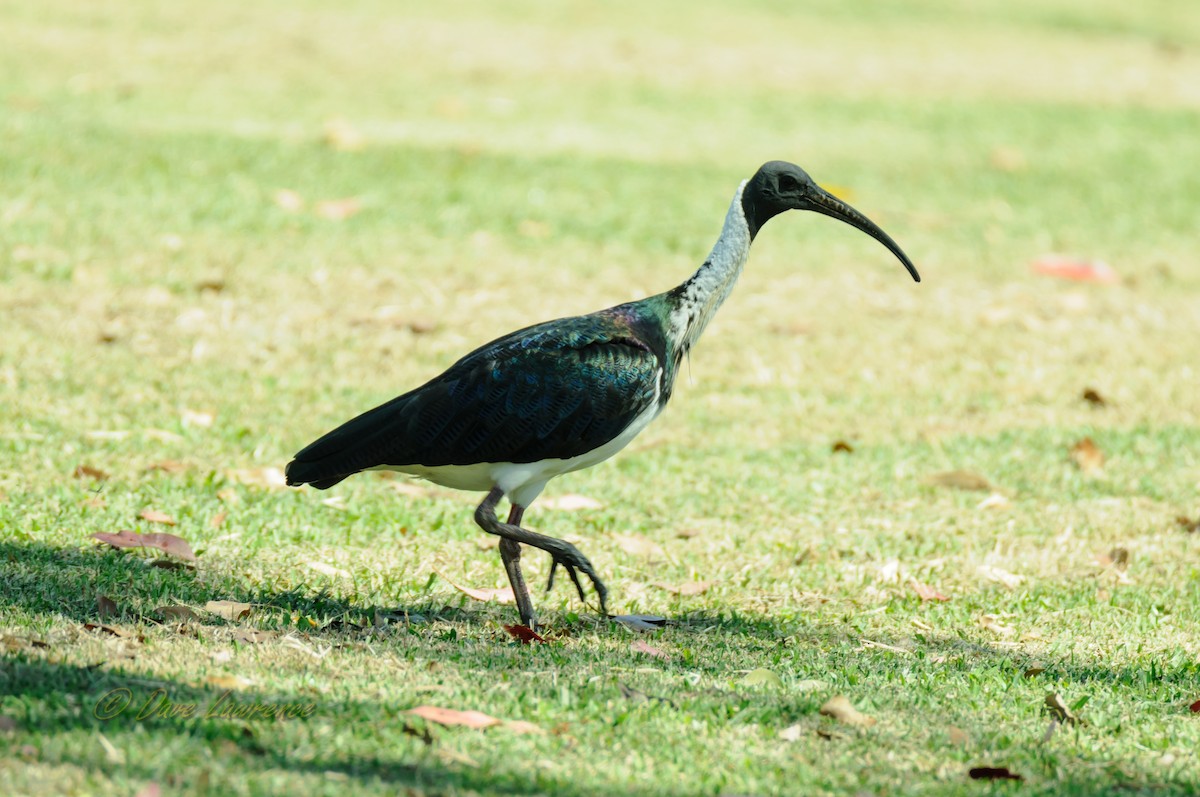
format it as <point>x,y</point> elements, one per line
<point>778,186</point>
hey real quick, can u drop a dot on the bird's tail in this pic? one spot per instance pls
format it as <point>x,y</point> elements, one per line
<point>354,446</point>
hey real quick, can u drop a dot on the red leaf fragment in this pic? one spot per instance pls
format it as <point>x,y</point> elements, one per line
<point>993,773</point>
<point>524,633</point>
<point>1069,268</point>
<point>1195,707</point>
<point>167,543</point>
<point>925,592</point>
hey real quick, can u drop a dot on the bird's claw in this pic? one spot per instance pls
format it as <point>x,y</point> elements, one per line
<point>572,560</point>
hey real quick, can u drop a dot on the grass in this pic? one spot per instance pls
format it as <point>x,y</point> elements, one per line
<point>521,161</point>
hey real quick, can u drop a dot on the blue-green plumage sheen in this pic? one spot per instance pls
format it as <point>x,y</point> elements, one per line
<point>562,395</point>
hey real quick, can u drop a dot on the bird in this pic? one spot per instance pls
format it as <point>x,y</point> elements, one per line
<point>562,395</point>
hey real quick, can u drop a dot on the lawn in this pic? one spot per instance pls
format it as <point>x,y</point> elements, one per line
<point>227,227</point>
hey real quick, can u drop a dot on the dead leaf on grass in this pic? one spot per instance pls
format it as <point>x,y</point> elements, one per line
<point>453,718</point>
<point>180,614</point>
<point>570,503</point>
<point>792,733</point>
<point>159,540</point>
<point>524,634</point>
<point>497,594</point>
<point>958,736</point>
<point>1034,670</point>
<point>1189,526</point>
<point>327,569</point>
<point>959,480</point>
<point>155,516</point>
<point>639,545</point>
<point>640,622</point>
<point>266,478</point>
<point>638,646</point>
<point>1195,707</point>
<point>1088,457</point>
<point>925,592</point>
<point>1117,558</point>
<point>111,630</point>
<point>993,773</point>
<point>994,624</point>
<point>229,610</point>
<point>1061,711</point>
<point>106,607</point>
<point>842,710</point>
<point>687,588</point>
<point>842,447</point>
<point>687,534</point>
<point>996,574</point>
<point>216,520</point>
<point>994,501</point>
<point>88,472</point>
<point>1093,397</point>
<point>251,636</point>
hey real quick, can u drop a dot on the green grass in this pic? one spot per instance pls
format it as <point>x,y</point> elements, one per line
<point>521,161</point>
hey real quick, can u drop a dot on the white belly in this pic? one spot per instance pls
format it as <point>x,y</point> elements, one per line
<point>523,482</point>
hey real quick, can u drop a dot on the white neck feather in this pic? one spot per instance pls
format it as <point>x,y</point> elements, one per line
<point>710,286</point>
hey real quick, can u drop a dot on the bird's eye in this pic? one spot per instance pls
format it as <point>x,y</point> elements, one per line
<point>788,184</point>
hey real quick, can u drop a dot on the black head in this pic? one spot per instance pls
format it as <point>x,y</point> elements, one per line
<point>780,186</point>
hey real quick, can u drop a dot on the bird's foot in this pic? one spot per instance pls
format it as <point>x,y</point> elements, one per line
<point>567,555</point>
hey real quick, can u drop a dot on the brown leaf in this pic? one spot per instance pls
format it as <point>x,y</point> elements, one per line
<point>570,503</point>
<point>1190,526</point>
<point>230,610</point>
<point>1195,707</point>
<point>1074,269</point>
<point>88,472</point>
<point>925,592</point>
<point>154,516</point>
<point>328,569</point>
<point>338,209</point>
<point>523,727</point>
<point>993,773</point>
<point>106,607</point>
<point>638,646</point>
<point>1061,711</point>
<point>640,545</point>
<point>168,466</point>
<point>994,624</point>
<point>452,718</point>
<point>524,634</point>
<point>1088,456</point>
<point>842,710</point>
<point>687,534</point>
<point>497,594</point>
<point>1093,397</point>
<point>160,540</point>
<point>108,629</point>
<point>1117,558</point>
<point>266,478</point>
<point>1010,580</point>
<point>685,588</point>
<point>1034,670</point>
<point>180,614</point>
<point>958,736</point>
<point>959,480</point>
<point>841,446</point>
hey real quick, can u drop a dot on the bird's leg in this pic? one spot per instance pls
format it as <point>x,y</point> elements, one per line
<point>562,552</point>
<point>510,554</point>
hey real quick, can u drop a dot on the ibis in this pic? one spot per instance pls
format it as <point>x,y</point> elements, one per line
<point>561,395</point>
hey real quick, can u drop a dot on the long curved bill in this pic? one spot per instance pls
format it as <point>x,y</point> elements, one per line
<point>827,204</point>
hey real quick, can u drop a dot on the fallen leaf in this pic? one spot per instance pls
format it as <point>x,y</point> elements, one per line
<point>1093,397</point>
<point>638,646</point>
<point>1195,707</point>
<point>842,710</point>
<point>1190,526</point>
<point>1010,580</point>
<point>497,594</point>
<point>639,545</point>
<point>154,516</point>
<point>1034,670</point>
<point>328,570</point>
<point>994,624</point>
<point>229,610</point>
<point>640,622</point>
<point>1061,711</point>
<point>452,718</point>
<point>228,682</point>
<point>993,773</point>
<point>687,534</point>
<point>792,733</point>
<point>524,634</point>
<point>180,614</point>
<point>168,466</point>
<point>925,592</point>
<point>250,636</point>
<point>338,209</point>
<point>1088,456</point>
<point>686,588</point>
<point>106,607</point>
<point>994,501</point>
<point>959,480</point>
<point>841,446</point>
<point>216,520</point>
<point>289,200</point>
<point>1069,268</point>
<point>159,540</point>
<point>267,478</point>
<point>108,629</point>
<point>88,472</point>
<point>763,677</point>
<point>570,503</point>
<point>1117,558</point>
